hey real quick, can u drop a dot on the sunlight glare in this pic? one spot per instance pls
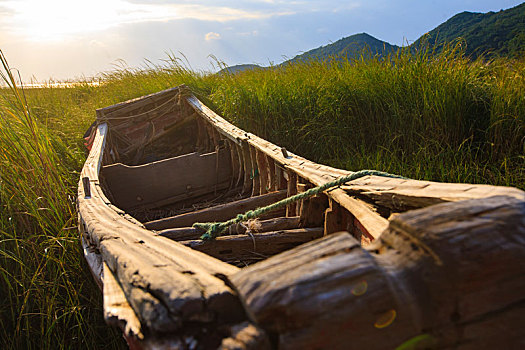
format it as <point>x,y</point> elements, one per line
<point>54,20</point>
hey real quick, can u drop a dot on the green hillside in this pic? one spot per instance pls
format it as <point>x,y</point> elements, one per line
<point>350,47</point>
<point>239,68</point>
<point>494,33</point>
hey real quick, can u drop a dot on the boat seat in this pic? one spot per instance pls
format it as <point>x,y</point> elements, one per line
<point>167,181</point>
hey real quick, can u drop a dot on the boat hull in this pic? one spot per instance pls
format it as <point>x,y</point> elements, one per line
<point>364,263</point>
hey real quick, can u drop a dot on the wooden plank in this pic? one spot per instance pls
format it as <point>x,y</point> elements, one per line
<point>451,272</point>
<point>301,187</point>
<point>272,177</point>
<point>372,223</point>
<point>246,336</point>
<point>129,106</point>
<point>117,311</point>
<point>279,175</point>
<point>313,210</point>
<point>135,186</point>
<point>240,160</point>
<point>189,233</point>
<point>256,175</point>
<point>263,172</point>
<point>402,195</point>
<point>333,221</point>
<point>324,294</point>
<point>217,213</point>
<point>230,147</point>
<point>274,224</point>
<point>291,209</point>
<point>248,169</point>
<point>241,247</point>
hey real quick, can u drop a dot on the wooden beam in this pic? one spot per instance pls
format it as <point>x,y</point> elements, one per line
<point>217,213</point>
<point>240,160</point>
<point>246,336</point>
<point>452,272</point>
<point>276,224</point>
<point>333,218</point>
<point>256,175</point>
<point>117,311</point>
<point>263,172</point>
<point>291,177</point>
<point>371,222</point>
<point>312,213</point>
<point>272,178</point>
<point>405,194</point>
<point>248,169</point>
<point>244,247</point>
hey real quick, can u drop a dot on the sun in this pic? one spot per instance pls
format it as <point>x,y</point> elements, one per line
<point>56,20</point>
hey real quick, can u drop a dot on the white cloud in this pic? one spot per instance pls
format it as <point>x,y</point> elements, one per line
<point>212,36</point>
<point>251,33</point>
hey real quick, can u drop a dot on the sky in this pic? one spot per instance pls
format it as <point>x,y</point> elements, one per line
<point>72,39</point>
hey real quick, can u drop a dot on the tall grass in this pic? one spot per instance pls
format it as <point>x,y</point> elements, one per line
<point>438,117</point>
<point>47,298</point>
<point>423,116</point>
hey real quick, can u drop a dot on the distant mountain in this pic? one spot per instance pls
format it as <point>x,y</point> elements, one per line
<point>495,33</point>
<point>351,47</point>
<point>239,68</point>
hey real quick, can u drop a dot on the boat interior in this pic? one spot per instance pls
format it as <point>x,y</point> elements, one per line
<point>162,162</point>
<point>168,162</point>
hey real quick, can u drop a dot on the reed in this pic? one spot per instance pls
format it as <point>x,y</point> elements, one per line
<point>425,116</point>
<point>48,299</point>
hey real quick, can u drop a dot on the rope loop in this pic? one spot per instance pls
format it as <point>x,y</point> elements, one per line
<point>215,229</point>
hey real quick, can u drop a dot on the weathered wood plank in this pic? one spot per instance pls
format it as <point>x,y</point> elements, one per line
<point>217,213</point>
<point>312,211</point>
<point>134,104</point>
<point>450,272</point>
<point>143,185</point>
<point>401,195</point>
<point>274,224</point>
<point>240,160</point>
<point>246,336</point>
<point>256,179</point>
<point>291,209</point>
<point>189,233</point>
<point>272,179</point>
<point>279,177</point>
<point>117,311</point>
<point>248,169</point>
<point>371,222</point>
<point>333,218</point>
<point>239,247</point>
<point>236,173</point>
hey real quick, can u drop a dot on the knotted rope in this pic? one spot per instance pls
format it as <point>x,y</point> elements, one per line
<point>215,229</point>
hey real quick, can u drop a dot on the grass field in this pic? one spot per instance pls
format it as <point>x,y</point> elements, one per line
<point>441,118</point>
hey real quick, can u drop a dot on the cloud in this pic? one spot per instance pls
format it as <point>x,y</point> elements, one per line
<point>250,33</point>
<point>54,20</point>
<point>212,36</point>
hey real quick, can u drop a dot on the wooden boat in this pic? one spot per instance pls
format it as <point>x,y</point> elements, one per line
<point>374,263</point>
